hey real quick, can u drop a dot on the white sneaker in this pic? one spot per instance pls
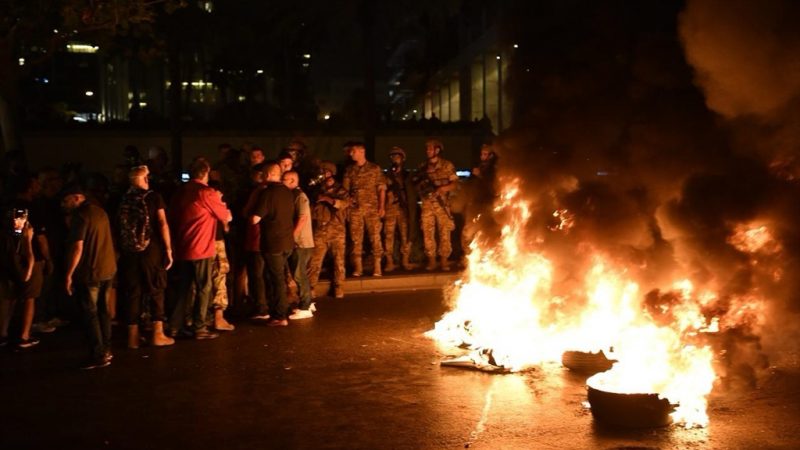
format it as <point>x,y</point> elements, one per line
<point>260,317</point>
<point>301,314</point>
<point>313,307</point>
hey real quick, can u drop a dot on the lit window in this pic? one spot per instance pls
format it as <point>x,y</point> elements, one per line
<point>82,48</point>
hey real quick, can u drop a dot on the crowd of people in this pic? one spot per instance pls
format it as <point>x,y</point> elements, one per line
<point>169,250</point>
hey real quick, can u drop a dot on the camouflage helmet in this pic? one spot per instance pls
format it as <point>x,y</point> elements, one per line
<point>397,151</point>
<point>329,166</point>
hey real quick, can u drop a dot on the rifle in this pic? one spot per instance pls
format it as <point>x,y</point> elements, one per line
<point>397,188</point>
<point>427,189</point>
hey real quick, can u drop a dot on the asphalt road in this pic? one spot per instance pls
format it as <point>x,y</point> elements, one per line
<point>358,375</point>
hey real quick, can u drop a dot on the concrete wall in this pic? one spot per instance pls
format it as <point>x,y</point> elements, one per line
<point>102,150</point>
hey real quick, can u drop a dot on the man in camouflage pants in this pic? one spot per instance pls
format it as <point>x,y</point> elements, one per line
<point>397,209</point>
<point>366,185</point>
<point>435,179</point>
<point>328,216</point>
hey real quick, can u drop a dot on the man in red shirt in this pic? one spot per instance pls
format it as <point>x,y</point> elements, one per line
<point>195,210</point>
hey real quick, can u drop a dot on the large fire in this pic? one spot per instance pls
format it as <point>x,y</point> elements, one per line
<point>510,311</point>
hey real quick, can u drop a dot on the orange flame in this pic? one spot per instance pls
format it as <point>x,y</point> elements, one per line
<point>506,305</point>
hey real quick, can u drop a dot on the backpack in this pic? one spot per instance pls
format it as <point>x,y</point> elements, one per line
<point>134,221</point>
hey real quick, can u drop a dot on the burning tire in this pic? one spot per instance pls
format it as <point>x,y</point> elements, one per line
<point>586,362</point>
<point>630,410</point>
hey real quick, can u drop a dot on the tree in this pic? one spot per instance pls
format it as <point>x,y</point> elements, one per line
<point>32,31</point>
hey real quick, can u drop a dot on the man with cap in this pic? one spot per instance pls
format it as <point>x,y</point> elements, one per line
<point>91,264</point>
<point>397,209</point>
<point>435,179</point>
<point>365,183</point>
<point>328,217</point>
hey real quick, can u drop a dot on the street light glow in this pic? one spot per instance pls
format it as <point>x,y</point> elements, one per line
<point>89,93</point>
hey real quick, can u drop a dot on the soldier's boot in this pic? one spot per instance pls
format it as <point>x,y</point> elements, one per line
<point>431,264</point>
<point>133,336</point>
<point>357,267</point>
<point>406,263</point>
<point>338,292</point>
<point>159,339</point>
<point>445,264</point>
<point>389,267</point>
<point>376,272</point>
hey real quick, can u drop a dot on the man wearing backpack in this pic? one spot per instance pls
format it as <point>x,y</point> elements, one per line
<point>145,256</point>
<point>195,209</point>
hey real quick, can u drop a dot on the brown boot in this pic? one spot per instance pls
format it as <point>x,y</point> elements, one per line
<point>376,272</point>
<point>220,324</point>
<point>406,263</point>
<point>357,267</point>
<point>431,264</point>
<point>389,265</point>
<point>133,336</point>
<point>445,264</point>
<point>159,338</point>
<point>338,292</point>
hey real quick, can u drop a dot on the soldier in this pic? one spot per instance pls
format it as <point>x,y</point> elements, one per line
<point>366,185</point>
<point>397,210</point>
<point>435,179</point>
<point>328,217</point>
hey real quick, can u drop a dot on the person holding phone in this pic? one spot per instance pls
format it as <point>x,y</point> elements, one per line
<point>16,267</point>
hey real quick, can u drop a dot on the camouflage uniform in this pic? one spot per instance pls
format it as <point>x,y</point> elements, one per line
<point>434,216</point>
<point>363,184</point>
<point>396,217</point>
<point>219,275</point>
<point>328,222</point>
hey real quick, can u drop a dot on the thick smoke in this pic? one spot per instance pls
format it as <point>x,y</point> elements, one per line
<point>658,174</point>
<point>746,55</point>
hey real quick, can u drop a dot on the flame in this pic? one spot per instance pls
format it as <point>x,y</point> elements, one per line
<point>754,238</point>
<point>509,306</point>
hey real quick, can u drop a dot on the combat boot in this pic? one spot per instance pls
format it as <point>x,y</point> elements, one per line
<point>406,263</point>
<point>431,264</point>
<point>389,265</point>
<point>376,272</point>
<point>159,339</point>
<point>338,292</point>
<point>445,264</point>
<point>357,269</point>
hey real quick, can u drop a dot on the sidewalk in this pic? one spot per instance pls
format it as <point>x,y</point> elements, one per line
<point>396,281</point>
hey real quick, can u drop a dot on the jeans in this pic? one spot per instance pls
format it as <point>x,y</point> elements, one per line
<point>255,281</point>
<point>97,320</point>
<point>192,302</point>
<point>298,263</point>
<point>275,278</point>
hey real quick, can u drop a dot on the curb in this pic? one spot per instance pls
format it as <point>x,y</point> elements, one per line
<point>394,283</point>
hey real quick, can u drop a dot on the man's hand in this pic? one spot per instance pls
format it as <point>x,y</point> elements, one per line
<point>169,259</point>
<point>68,285</point>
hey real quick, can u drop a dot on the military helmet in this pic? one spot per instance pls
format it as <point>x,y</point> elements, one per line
<point>329,166</point>
<point>397,151</point>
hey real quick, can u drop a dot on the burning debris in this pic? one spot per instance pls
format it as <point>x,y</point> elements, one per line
<point>673,259</point>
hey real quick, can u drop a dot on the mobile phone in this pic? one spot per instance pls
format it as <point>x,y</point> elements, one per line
<point>185,177</point>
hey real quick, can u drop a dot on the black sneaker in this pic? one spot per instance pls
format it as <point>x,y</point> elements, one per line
<point>95,363</point>
<point>27,343</point>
